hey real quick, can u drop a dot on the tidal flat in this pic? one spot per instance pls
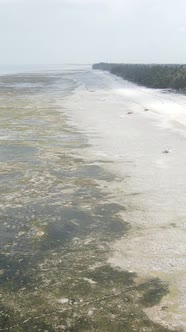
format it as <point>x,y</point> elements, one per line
<point>57,222</point>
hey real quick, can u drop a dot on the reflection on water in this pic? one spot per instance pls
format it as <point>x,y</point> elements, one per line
<point>56,223</point>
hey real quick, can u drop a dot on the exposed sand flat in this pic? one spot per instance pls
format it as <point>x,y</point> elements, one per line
<point>142,131</point>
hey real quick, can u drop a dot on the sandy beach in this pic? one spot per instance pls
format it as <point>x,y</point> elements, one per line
<point>142,132</point>
<point>92,204</point>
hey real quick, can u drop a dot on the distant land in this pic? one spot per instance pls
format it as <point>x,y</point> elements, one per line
<point>165,76</point>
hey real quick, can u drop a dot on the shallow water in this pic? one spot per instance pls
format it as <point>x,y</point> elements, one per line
<point>60,211</point>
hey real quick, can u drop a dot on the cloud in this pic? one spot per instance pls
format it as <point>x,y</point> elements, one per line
<point>13,2</point>
<point>83,2</point>
<point>113,3</point>
<point>10,1</point>
<point>181,29</point>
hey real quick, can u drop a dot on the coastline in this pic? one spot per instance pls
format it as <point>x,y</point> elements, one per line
<point>60,212</point>
<point>157,76</point>
<point>151,185</point>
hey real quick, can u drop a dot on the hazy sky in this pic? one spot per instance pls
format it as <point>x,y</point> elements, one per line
<point>87,31</point>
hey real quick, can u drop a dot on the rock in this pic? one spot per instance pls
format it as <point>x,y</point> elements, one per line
<point>164,308</point>
<point>63,301</point>
<point>90,312</point>
<point>166,151</point>
<point>72,301</point>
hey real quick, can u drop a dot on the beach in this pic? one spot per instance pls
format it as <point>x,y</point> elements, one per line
<point>92,182</point>
<point>143,132</point>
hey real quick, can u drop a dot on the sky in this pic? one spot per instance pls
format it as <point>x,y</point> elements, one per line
<point>89,31</point>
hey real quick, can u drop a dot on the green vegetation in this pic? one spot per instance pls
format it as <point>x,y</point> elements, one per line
<point>153,76</point>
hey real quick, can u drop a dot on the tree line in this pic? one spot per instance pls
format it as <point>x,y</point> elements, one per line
<point>170,76</point>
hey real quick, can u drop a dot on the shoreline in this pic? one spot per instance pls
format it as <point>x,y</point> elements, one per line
<point>59,214</point>
<point>155,203</point>
<point>158,76</point>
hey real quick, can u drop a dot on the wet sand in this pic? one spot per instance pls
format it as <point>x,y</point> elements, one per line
<point>64,207</point>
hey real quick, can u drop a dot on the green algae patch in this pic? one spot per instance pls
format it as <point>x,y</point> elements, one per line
<point>11,321</point>
<point>153,292</point>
